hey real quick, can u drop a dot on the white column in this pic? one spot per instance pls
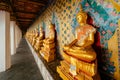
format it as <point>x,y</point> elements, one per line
<point>12,35</point>
<point>5,57</point>
<point>17,36</point>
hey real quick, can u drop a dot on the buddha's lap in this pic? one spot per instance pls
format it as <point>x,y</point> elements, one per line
<point>87,55</point>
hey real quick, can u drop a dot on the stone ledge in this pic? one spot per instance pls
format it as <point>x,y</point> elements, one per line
<point>48,70</point>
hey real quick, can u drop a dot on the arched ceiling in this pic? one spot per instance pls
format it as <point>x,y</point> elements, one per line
<point>27,11</point>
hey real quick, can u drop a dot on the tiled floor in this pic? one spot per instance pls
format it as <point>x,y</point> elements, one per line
<point>23,65</point>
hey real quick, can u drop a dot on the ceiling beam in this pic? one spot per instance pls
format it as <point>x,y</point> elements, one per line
<point>32,2</point>
<point>26,20</point>
<point>23,18</point>
<point>25,12</point>
<point>13,9</point>
<point>42,1</point>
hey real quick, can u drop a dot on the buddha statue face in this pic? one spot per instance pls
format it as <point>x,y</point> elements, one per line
<point>81,17</point>
<point>36,32</point>
<point>41,29</point>
<point>51,26</point>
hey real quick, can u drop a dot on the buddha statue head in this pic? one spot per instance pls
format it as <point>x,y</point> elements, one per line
<point>81,16</point>
<point>51,26</point>
<point>36,32</point>
<point>41,29</point>
<point>41,32</point>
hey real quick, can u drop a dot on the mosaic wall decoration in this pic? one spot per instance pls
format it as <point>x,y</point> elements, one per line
<point>105,15</point>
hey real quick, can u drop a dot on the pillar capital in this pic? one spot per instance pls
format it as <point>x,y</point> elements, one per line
<point>4,6</point>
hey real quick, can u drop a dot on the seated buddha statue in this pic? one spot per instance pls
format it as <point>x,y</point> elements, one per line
<point>39,40</point>
<point>28,36</point>
<point>48,49</point>
<point>79,56</point>
<point>51,36</point>
<point>31,37</point>
<point>35,35</point>
<point>81,47</point>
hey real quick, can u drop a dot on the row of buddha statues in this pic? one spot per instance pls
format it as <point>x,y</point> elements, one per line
<point>79,58</point>
<point>43,46</point>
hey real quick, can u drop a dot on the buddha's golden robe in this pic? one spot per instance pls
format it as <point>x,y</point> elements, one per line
<point>82,48</point>
<point>48,49</point>
<point>39,41</point>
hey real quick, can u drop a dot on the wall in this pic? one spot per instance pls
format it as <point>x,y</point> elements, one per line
<point>105,15</point>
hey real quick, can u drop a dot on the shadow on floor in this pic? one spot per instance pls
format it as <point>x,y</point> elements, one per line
<point>23,65</point>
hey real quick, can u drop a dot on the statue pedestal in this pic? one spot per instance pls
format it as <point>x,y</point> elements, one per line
<point>48,70</point>
<point>48,51</point>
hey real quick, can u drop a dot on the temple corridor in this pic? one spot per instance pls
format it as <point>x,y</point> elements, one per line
<point>59,39</point>
<point>23,65</point>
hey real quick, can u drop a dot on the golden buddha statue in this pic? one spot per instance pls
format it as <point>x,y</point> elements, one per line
<point>79,56</point>
<point>51,37</point>
<point>81,46</point>
<point>28,36</point>
<point>31,37</point>
<point>48,49</point>
<point>35,35</point>
<point>39,40</point>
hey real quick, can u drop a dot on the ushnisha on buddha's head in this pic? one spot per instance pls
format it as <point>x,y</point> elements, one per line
<point>81,16</point>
